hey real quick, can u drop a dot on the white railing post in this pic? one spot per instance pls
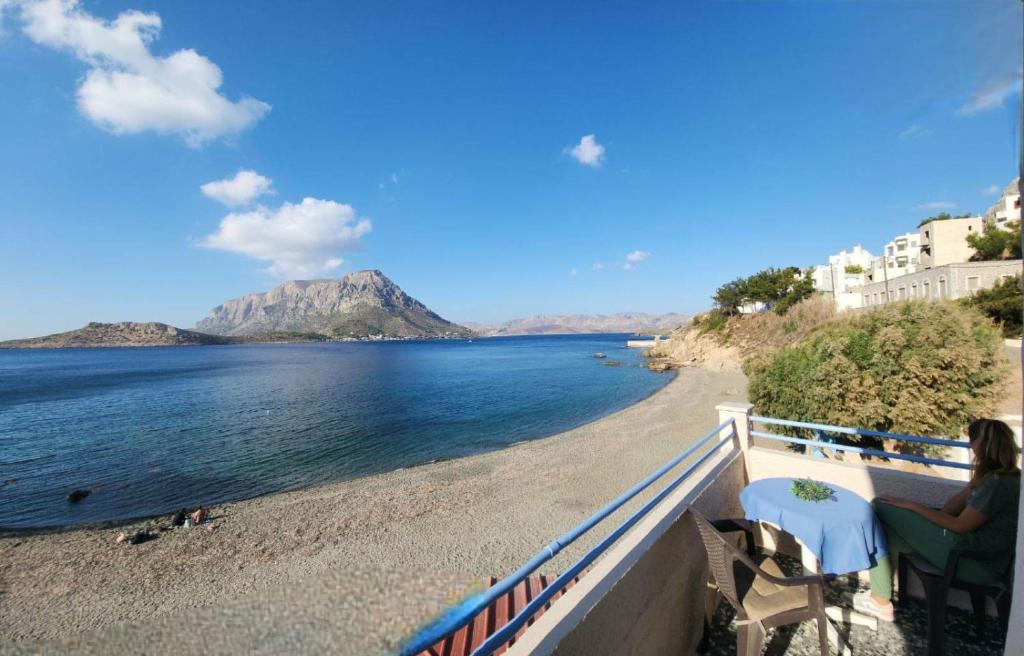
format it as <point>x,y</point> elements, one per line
<point>740,413</point>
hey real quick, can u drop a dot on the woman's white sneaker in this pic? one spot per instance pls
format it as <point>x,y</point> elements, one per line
<point>863,602</point>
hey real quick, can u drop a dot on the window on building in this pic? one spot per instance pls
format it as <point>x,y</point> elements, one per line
<point>867,299</point>
<point>943,292</point>
<point>926,291</point>
<point>888,250</point>
<point>973,282</point>
<point>901,245</point>
<point>901,293</point>
<point>913,290</point>
<point>926,234</point>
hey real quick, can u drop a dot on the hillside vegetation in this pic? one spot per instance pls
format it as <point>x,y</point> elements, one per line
<point>916,367</point>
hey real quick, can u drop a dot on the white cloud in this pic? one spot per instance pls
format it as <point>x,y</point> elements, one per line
<point>628,266</point>
<point>128,89</point>
<point>587,152</point>
<point>638,256</point>
<point>299,241</point>
<point>394,178</point>
<point>991,190</point>
<point>991,96</point>
<point>573,272</point>
<point>598,266</point>
<point>936,205</point>
<point>245,187</point>
<point>915,131</point>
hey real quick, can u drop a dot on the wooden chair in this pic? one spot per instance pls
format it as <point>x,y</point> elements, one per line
<point>937,583</point>
<point>755,586</point>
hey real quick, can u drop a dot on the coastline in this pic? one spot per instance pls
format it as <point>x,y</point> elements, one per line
<point>351,566</point>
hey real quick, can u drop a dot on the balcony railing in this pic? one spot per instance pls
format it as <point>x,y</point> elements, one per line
<point>822,441</point>
<point>466,611</point>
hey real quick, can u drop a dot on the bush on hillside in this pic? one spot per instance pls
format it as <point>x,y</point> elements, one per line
<point>919,368</point>
<point>1004,304</point>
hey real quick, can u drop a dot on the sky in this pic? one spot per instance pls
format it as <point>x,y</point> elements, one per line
<point>495,160</point>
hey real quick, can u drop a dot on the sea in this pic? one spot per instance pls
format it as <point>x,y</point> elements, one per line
<point>151,430</point>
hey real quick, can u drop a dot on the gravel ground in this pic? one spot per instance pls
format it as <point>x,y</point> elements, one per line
<point>907,636</point>
<point>348,568</point>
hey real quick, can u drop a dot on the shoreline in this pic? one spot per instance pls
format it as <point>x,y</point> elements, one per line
<point>112,524</point>
<point>309,564</point>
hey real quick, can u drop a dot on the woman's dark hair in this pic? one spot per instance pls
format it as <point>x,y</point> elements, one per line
<point>995,448</point>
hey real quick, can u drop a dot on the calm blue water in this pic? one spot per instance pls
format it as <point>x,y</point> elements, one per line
<point>151,430</point>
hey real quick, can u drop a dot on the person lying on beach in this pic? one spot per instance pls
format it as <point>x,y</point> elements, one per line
<point>199,516</point>
<point>982,516</point>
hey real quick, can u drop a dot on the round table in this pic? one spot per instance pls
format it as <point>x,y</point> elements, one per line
<point>843,533</point>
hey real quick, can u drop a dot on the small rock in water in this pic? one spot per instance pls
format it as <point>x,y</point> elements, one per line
<point>78,495</point>
<point>611,363</point>
<point>600,355</point>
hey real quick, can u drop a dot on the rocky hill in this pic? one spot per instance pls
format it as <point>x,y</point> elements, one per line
<point>361,304</point>
<point>124,333</point>
<point>549,324</point>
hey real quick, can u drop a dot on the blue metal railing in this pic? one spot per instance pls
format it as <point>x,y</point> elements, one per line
<point>818,429</point>
<point>462,614</point>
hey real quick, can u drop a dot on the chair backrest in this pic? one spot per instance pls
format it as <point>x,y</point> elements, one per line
<point>722,556</point>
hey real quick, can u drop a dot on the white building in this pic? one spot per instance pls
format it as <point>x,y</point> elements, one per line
<point>900,257</point>
<point>1007,208</point>
<point>844,274</point>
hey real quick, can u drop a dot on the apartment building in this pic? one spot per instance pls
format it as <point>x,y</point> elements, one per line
<point>945,241</point>
<point>1007,208</point>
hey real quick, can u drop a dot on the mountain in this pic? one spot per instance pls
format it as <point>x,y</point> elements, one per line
<point>361,304</point>
<point>549,324</point>
<point>124,333</point>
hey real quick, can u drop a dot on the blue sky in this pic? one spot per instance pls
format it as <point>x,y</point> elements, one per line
<point>435,141</point>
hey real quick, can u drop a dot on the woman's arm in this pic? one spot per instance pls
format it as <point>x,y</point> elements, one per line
<point>957,502</point>
<point>966,521</point>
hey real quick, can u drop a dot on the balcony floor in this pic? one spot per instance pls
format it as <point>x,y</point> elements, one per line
<point>907,636</point>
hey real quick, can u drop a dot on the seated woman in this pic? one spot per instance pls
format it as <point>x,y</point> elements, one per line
<point>982,516</point>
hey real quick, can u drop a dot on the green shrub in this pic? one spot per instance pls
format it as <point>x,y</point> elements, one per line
<point>853,268</point>
<point>712,321</point>
<point>1004,304</point>
<point>996,244</point>
<point>919,368</point>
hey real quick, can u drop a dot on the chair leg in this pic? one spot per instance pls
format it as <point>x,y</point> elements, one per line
<point>749,639</point>
<point>978,606</point>
<point>901,580</point>
<point>936,594</point>
<point>823,634</point>
<point>1003,606</point>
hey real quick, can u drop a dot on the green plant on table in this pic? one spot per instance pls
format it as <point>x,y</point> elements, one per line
<point>811,490</point>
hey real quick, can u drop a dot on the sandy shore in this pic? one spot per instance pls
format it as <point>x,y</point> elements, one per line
<point>346,568</point>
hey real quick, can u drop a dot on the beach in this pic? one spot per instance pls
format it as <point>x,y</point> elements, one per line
<point>351,567</point>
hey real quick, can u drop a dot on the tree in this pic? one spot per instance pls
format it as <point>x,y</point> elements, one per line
<point>774,287</point>
<point>942,216</point>
<point>996,244</point>
<point>1004,304</point>
<point>918,367</point>
<point>853,268</point>
<point>730,296</point>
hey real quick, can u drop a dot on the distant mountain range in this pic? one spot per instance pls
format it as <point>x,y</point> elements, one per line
<point>361,304</point>
<point>553,324</point>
